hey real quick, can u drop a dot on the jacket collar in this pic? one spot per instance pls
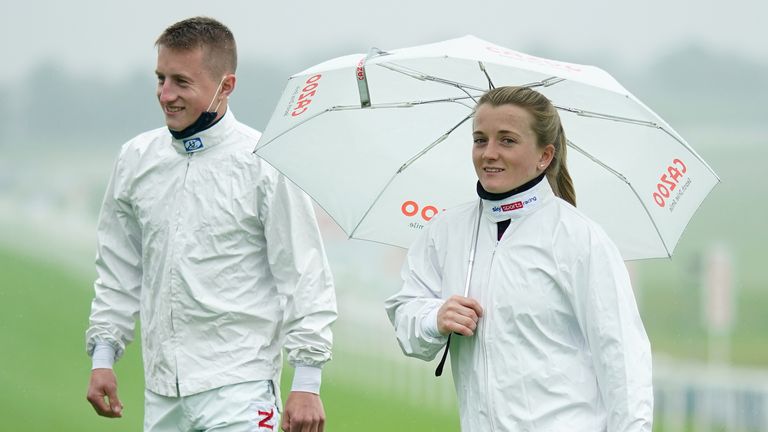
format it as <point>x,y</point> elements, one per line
<point>207,138</point>
<point>518,205</point>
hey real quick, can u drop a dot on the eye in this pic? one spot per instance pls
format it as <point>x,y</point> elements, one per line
<point>507,141</point>
<point>479,141</point>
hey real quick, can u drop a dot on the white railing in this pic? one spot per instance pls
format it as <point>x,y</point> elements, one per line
<point>707,398</point>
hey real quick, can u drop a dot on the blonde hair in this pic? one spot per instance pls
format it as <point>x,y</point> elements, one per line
<point>547,128</point>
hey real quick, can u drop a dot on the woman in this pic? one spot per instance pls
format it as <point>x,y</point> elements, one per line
<point>551,336</point>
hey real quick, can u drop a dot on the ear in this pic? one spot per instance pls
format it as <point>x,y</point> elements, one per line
<point>228,85</point>
<point>547,154</point>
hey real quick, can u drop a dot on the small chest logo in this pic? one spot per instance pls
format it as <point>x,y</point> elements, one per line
<point>193,145</point>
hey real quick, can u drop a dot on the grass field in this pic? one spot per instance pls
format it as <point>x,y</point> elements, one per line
<point>44,369</point>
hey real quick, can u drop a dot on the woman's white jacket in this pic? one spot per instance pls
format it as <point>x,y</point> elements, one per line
<point>560,346</point>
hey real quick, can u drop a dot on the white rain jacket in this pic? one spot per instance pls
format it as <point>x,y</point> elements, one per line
<point>218,254</point>
<point>560,346</point>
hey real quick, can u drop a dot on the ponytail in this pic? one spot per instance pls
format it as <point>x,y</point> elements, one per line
<point>557,172</point>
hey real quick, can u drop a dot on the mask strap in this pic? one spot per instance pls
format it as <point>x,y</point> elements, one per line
<point>216,94</point>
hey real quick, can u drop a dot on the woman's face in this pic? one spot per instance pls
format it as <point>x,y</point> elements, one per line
<point>505,151</point>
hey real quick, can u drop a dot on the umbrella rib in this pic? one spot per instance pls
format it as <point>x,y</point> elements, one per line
<point>597,115</point>
<point>409,104</point>
<point>431,146</point>
<point>426,77</point>
<point>373,203</point>
<point>488,77</point>
<point>403,167</point>
<point>458,100</point>
<point>584,113</point>
<point>548,82</point>
<point>261,146</point>
<point>631,187</point>
<point>597,161</point>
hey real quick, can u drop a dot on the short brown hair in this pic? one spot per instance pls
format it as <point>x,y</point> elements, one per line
<point>216,40</point>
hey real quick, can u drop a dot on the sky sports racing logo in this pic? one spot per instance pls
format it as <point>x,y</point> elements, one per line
<point>517,205</point>
<point>193,145</point>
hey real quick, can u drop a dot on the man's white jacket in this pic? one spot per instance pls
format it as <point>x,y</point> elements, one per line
<point>560,346</point>
<point>218,255</point>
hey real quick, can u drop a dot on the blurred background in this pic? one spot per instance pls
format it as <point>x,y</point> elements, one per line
<point>77,81</point>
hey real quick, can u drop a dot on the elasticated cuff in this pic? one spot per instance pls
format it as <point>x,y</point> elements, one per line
<point>307,379</point>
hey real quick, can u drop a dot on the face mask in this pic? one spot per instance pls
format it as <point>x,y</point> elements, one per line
<point>203,121</point>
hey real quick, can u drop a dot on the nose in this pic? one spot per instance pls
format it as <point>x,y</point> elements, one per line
<point>491,150</point>
<point>165,92</point>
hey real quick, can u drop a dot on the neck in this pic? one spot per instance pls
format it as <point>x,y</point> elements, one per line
<point>205,121</point>
<point>492,196</point>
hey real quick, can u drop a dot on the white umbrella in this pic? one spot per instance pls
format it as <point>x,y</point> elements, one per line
<point>382,142</point>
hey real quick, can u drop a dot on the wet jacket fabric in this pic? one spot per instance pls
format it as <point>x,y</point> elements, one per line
<point>560,346</point>
<point>217,254</point>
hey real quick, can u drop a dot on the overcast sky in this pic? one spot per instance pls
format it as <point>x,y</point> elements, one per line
<point>108,39</point>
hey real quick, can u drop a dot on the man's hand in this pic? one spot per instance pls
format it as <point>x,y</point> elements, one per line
<point>303,413</point>
<point>102,393</point>
<point>459,314</point>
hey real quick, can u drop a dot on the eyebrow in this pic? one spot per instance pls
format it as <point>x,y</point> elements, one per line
<point>501,132</point>
<point>174,76</point>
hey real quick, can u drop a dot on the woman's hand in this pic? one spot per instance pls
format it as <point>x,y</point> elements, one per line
<point>459,315</point>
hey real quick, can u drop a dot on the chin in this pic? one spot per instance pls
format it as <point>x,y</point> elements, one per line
<point>174,126</point>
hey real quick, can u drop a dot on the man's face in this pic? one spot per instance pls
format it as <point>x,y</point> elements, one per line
<point>185,87</point>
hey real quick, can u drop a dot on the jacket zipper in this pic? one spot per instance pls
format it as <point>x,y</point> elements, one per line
<point>183,185</point>
<point>173,328</point>
<point>489,399</point>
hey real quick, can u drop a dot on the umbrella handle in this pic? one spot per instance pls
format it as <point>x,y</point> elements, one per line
<point>473,248</point>
<point>472,253</point>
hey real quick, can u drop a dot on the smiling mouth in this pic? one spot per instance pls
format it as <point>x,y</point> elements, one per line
<point>493,170</point>
<point>172,110</point>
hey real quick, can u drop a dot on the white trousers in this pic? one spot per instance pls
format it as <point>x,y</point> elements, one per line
<point>249,406</point>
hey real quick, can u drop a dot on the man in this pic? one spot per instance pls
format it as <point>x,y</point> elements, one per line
<point>217,253</point>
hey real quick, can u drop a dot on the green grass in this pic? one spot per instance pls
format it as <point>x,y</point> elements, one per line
<point>44,370</point>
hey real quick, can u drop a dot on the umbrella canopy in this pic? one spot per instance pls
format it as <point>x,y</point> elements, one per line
<point>382,142</point>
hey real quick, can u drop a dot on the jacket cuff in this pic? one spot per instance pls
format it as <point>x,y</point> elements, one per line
<point>307,379</point>
<point>428,324</point>
<point>103,356</point>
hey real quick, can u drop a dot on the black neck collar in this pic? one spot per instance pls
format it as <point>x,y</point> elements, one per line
<point>205,121</point>
<point>490,196</point>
